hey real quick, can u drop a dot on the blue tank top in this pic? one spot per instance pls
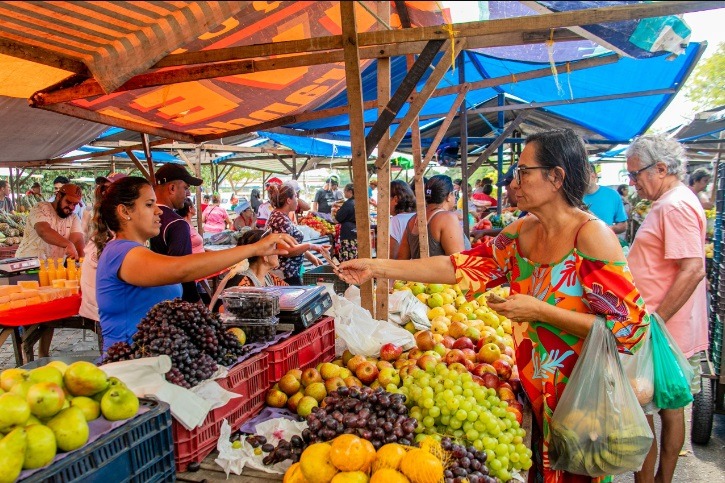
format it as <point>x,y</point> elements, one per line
<point>121,306</point>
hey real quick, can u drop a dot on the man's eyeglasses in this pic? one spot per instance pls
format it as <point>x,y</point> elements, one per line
<point>633,174</point>
<point>519,169</point>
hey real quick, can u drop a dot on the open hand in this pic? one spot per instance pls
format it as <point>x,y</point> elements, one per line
<point>518,308</point>
<point>275,244</point>
<point>356,271</point>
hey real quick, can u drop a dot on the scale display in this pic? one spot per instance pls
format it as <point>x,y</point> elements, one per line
<point>16,265</point>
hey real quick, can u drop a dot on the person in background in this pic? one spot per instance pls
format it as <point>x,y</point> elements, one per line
<point>445,235</point>
<point>485,195</point>
<point>699,179</point>
<point>188,213</point>
<point>58,183</point>
<point>606,204</point>
<point>128,272</point>
<point>259,273</point>
<point>255,200</point>
<point>325,197</point>
<point>32,197</point>
<point>348,230</point>
<point>233,202</point>
<point>6,203</point>
<point>174,236</point>
<point>284,200</point>
<point>206,200</point>
<point>302,205</point>
<point>557,262</point>
<point>245,216</point>
<point>373,192</point>
<point>457,188</point>
<point>53,231</point>
<point>667,260</point>
<point>478,187</point>
<point>623,191</point>
<point>402,209</point>
<point>265,209</point>
<point>215,218</point>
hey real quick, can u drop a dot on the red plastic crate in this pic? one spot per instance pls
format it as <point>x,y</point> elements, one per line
<point>307,349</point>
<point>251,380</point>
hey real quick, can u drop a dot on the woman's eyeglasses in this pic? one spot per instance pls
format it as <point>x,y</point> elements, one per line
<point>519,169</point>
<point>633,174</point>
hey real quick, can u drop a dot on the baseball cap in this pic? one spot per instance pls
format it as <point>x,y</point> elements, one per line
<point>508,177</point>
<point>293,184</point>
<point>175,172</point>
<point>111,178</point>
<point>274,181</point>
<point>72,192</point>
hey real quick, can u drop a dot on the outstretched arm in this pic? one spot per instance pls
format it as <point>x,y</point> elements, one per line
<point>428,270</point>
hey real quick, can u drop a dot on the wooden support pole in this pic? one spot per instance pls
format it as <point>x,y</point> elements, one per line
<point>149,161</point>
<point>197,173</point>
<point>357,137</point>
<point>463,128</point>
<point>383,208</point>
<point>138,165</point>
<point>444,126</point>
<point>498,142</point>
<point>420,208</point>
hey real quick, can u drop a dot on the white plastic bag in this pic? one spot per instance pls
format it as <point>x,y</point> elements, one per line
<point>364,335</point>
<point>639,369</point>
<point>405,307</point>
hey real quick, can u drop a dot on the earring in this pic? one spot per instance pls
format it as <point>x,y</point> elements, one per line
<point>128,218</point>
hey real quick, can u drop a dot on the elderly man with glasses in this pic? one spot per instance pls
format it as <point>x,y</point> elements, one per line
<point>667,261</point>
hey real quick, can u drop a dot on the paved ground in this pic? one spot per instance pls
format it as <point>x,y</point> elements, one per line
<point>699,464</point>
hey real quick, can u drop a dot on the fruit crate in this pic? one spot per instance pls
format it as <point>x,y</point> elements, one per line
<point>139,451</point>
<point>307,349</point>
<point>249,379</point>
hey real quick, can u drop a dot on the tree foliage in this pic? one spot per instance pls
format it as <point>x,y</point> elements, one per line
<point>705,87</point>
<point>238,178</point>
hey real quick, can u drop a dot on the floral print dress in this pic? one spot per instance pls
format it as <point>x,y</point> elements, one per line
<point>545,355</point>
<point>279,222</point>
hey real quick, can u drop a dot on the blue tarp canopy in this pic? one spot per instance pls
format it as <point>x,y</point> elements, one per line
<point>156,156</point>
<point>311,146</point>
<point>617,119</point>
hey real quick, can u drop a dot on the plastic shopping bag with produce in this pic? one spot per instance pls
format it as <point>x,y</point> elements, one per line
<point>672,372</point>
<point>639,369</point>
<point>598,427</point>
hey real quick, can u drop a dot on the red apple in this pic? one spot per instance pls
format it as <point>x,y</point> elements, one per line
<point>310,376</point>
<point>516,405</point>
<point>351,381</point>
<point>367,372</point>
<point>448,341</point>
<point>334,384</point>
<point>470,354</point>
<point>400,363</point>
<point>508,351</point>
<point>481,369</point>
<point>489,352</point>
<point>354,362</point>
<point>508,359</point>
<point>503,369</point>
<point>390,352</point>
<point>477,380</point>
<point>427,363</point>
<point>424,340</point>
<point>463,343</point>
<point>469,364</point>
<point>491,380</point>
<point>517,413</point>
<point>415,353</point>
<point>383,364</point>
<point>453,356</point>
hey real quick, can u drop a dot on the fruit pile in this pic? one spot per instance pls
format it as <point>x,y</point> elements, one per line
<point>465,462</point>
<point>450,402</point>
<point>47,409</point>
<point>192,336</point>
<point>11,228</point>
<point>317,224</point>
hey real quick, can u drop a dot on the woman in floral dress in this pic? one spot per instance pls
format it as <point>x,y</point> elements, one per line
<point>566,269</point>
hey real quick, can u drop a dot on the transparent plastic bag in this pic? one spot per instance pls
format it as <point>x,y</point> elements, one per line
<point>598,427</point>
<point>639,369</point>
<point>672,371</point>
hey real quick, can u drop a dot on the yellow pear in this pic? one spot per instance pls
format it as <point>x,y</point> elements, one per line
<point>85,379</point>
<point>41,447</point>
<point>91,409</point>
<point>9,377</point>
<point>119,403</point>
<point>14,411</point>
<point>45,399</point>
<point>46,374</point>
<point>60,365</point>
<point>12,454</point>
<point>70,429</point>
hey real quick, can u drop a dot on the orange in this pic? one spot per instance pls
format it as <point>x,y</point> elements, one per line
<point>316,465</point>
<point>421,467</point>
<point>387,475</point>
<point>349,453</point>
<point>350,477</point>
<point>389,456</point>
<point>294,475</point>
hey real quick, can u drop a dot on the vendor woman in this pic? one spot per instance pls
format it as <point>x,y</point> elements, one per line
<point>131,278</point>
<point>259,273</point>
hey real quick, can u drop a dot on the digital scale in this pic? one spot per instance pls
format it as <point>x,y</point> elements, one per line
<point>10,266</point>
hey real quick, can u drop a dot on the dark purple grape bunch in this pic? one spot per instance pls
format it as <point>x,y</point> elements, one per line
<point>372,414</point>
<point>465,464</point>
<point>285,450</point>
<point>120,351</point>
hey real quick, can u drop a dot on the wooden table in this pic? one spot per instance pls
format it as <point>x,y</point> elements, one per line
<point>211,472</point>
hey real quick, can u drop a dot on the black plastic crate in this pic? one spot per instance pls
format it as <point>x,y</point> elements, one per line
<point>325,274</point>
<point>140,451</point>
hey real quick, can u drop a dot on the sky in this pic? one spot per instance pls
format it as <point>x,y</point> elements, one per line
<point>706,26</point>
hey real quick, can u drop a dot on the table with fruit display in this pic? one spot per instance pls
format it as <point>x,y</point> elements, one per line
<point>449,409</point>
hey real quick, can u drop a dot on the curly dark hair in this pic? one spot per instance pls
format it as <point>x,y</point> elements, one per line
<point>405,202</point>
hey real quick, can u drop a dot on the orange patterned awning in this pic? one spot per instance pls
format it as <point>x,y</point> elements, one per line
<point>116,41</point>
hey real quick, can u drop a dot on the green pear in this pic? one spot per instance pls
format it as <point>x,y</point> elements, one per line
<point>32,420</point>
<point>70,429</point>
<point>91,408</point>
<point>119,403</point>
<point>60,365</point>
<point>9,377</point>
<point>46,374</point>
<point>41,447</point>
<point>21,389</point>
<point>112,383</point>
<point>85,379</point>
<point>45,399</point>
<point>12,454</point>
<point>14,411</point>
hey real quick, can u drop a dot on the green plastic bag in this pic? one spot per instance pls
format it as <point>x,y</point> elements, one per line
<point>672,371</point>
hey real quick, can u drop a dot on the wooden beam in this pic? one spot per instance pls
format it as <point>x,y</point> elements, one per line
<point>149,160</point>
<point>452,50</point>
<point>192,147</point>
<point>498,142</point>
<point>382,250</point>
<point>138,165</point>
<point>197,173</point>
<point>463,128</point>
<point>443,129</point>
<point>519,25</point>
<point>357,138</point>
<point>186,159</point>
<point>36,54</point>
<point>406,87</point>
<point>420,208</point>
<point>402,10</point>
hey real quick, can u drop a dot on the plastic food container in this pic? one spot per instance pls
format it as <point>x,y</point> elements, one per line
<point>256,330</point>
<point>251,302</point>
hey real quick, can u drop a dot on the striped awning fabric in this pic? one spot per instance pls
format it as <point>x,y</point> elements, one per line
<point>113,40</point>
